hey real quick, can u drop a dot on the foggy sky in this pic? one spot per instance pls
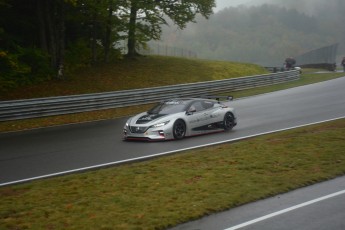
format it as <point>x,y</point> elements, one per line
<point>306,6</point>
<point>228,3</point>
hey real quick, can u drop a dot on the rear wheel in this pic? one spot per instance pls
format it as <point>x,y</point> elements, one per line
<point>229,121</point>
<point>179,129</point>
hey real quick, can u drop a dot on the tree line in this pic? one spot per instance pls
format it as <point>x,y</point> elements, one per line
<point>40,38</point>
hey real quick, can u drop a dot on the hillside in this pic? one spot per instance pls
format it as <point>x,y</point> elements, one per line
<point>149,71</point>
<point>265,34</point>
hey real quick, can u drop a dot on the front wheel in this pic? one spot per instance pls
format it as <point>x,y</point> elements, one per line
<point>229,121</point>
<point>179,129</point>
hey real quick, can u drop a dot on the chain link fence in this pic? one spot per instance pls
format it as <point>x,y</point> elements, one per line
<point>165,50</point>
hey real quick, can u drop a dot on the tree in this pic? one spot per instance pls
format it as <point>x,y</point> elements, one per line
<point>108,32</point>
<point>100,25</point>
<point>147,17</point>
<point>51,27</point>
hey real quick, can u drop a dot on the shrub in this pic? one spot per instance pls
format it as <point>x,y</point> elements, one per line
<point>23,67</point>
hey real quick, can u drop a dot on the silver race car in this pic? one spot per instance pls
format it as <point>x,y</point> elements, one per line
<point>180,117</point>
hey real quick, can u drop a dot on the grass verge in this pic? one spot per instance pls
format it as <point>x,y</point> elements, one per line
<point>306,78</point>
<point>143,72</point>
<point>174,189</point>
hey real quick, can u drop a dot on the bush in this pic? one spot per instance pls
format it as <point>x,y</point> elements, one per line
<point>23,67</point>
<point>77,56</point>
<point>11,70</point>
<point>39,63</point>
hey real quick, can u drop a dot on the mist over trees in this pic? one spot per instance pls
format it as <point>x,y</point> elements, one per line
<point>264,34</point>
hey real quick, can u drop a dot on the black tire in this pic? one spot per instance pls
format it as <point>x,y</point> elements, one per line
<point>179,129</point>
<point>229,121</point>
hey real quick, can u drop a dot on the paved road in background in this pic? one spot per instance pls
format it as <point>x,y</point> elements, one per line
<point>52,151</point>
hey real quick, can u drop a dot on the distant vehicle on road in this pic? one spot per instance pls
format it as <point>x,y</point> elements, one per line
<point>298,68</point>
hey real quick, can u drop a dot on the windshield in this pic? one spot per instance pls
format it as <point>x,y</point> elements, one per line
<point>169,107</point>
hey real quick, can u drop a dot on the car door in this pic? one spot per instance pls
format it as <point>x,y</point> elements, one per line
<point>198,117</point>
<point>213,115</point>
<point>214,112</point>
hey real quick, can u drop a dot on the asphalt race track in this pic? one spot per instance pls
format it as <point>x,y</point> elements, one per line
<point>57,150</point>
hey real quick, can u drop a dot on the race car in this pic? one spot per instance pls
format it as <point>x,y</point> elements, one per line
<point>180,117</point>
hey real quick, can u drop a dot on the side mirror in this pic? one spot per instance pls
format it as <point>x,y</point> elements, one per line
<point>191,111</point>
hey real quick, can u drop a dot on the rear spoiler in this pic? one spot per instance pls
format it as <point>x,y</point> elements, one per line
<point>228,98</point>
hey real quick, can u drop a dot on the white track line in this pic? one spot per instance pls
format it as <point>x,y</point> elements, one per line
<point>158,154</point>
<point>286,210</point>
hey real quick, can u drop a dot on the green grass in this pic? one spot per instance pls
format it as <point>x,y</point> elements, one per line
<point>142,72</point>
<point>173,189</point>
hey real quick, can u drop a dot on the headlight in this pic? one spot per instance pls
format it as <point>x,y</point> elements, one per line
<point>159,124</point>
<point>128,122</point>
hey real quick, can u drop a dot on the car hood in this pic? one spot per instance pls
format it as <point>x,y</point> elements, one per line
<point>147,119</point>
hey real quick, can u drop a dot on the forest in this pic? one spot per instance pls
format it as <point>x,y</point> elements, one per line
<point>264,34</point>
<point>41,40</point>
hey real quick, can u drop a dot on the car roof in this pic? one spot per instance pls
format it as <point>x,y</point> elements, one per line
<point>187,100</point>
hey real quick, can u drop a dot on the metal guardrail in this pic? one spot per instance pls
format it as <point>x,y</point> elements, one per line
<point>41,107</point>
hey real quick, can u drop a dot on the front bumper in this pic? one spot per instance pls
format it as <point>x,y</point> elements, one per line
<point>150,134</point>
